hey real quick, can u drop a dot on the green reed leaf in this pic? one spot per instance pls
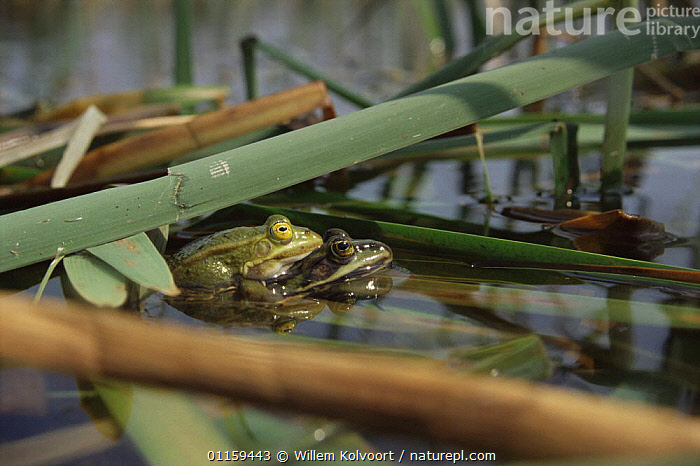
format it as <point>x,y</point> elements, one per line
<point>461,246</point>
<point>95,281</point>
<point>167,427</point>
<point>138,259</point>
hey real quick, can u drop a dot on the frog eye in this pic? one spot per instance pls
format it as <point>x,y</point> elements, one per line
<point>342,248</point>
<point>281,231</point>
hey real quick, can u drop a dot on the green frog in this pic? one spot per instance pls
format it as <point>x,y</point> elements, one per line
<point>340,259</point>
<point>342,268</point>
<point>256,253</point>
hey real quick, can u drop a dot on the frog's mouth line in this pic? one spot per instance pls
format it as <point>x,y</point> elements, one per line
<point>369,268</point>
<point>292,259</point>
<point>287,263</point>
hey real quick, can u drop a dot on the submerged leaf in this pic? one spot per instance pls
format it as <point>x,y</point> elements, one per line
<point>531,214</point>
<point>520,357</point>
<point>616,233</point>
<point>139,260</point>
<point>614,222</point>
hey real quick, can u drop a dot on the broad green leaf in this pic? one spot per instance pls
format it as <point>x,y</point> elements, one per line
<point>166,426</point>
<point>509,271</point>
<point>139,260</point>
<point>95,281</point>
<point>225,179</point>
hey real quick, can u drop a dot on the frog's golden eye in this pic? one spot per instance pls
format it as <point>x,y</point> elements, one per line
<point>342,248</point>
<point>282,232</point>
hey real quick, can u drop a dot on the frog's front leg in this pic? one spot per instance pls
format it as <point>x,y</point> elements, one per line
<point>256,291</point>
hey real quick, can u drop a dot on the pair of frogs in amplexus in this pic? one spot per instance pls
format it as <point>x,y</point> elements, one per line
<point>273,261</point>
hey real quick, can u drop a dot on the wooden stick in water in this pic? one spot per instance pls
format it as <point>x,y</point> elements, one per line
<point>509,416</point>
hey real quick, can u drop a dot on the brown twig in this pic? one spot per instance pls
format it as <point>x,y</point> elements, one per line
<point>509,416</point>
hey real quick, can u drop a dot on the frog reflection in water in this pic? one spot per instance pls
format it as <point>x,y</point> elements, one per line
<point>340,272</point>
<point>257,253</point>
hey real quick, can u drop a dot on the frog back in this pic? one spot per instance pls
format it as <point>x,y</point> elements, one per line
<point>215,258</point>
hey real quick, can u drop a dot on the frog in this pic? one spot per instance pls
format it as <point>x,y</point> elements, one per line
<point>255,253</point>
<point>342,268</point>
<point>340,259</point>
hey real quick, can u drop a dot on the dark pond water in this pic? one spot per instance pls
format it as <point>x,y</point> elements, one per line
<point>622,339</point>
